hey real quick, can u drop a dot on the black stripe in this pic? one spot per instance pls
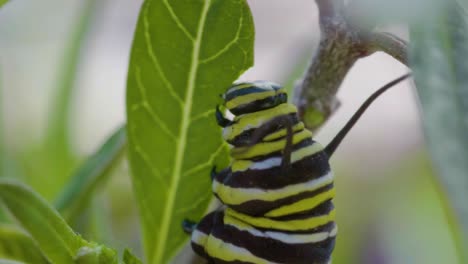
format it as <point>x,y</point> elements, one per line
<point>274,250</point>
<point>323,209</point>
<point>207,223</point>
<point>319,229</point>
<point>243,91</point>
<point>309,168</point>
<point>259,207</point>
<point>301,144</point>
<point>245,138</point>
<point>200,251</point>
<point>259,105</point>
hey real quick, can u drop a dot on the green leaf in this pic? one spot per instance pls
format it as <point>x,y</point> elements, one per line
<point>184,55</point>
<point>91,175</point>
<point>96,254</point>
<point>129,258</point>
<point>16,245</point>
<point>55,238</point>
<point>439,52</point>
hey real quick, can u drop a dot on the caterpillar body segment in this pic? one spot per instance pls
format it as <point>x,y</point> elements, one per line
<point>278,190</point>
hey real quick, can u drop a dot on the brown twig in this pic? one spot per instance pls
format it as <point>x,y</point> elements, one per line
<point>341,44</point>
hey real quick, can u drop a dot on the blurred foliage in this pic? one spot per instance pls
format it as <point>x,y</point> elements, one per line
<point>53,160</point>
<point>392,215</point>
<point>438,54</point>
<point>2,2</point>
<point>16,245</point>
<point>58,242</point>
<point>170,112</point>
<point>93,173</point>
<point>129,258</point>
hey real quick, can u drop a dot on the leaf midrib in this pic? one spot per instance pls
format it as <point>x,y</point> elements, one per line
<point>181,144</point>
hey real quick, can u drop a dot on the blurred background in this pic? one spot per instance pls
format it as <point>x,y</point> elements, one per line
<point>66,61</point>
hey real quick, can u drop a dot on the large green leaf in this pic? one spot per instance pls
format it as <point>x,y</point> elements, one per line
<point>91,175</point>
<point>184,54</point>
<point>439,52</point>
<point>16,245</point>
<point>55,238</point>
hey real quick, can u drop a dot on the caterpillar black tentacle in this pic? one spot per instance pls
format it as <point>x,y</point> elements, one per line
<point>278,189</point>
<point>331,147</point>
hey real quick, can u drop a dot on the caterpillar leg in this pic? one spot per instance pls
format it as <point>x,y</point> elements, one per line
<point>213,173</point>
<point>188,226</point>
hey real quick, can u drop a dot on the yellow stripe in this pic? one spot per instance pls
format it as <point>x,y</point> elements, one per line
<point>302,205</point>
<point>199,238</point>
<point>283,132</point>
<point>248,98</point>
<point>243,165</point>
<point>236,196</point>
<point>265,148</point>
<point>291,225</point>
<point>228,252</point>
<point>283,237</point>
<point>255,120</point>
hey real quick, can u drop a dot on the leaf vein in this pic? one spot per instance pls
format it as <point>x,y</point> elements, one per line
<point>208,163</point>
<point>155,61</point>
<point>154,171</point>
<point>228,45</point>
<point>203,115</point>
<point>158,255</point>
<point>149,109</point>
<point>177,21</point>
<point>198,202</point>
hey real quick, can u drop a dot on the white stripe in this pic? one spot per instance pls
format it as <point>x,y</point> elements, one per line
<point>232,252</point>
<point>291,238</point>
<point>273,162</point>
<point>241,194</point>
<point>199,238</point>
<point>266,164</point>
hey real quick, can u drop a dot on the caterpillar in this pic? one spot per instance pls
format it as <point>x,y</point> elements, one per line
<point>277,193</point>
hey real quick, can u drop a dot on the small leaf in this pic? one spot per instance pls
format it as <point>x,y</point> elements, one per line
<point>96,254</point>
<point>91,175</point>
<point>184,55</point>
<point>55,238</point>
<point>129,258</point>
<point>439,52</point>
<point>16,245</point>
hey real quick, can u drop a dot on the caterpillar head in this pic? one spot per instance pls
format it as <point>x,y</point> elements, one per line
<point>249,97</point>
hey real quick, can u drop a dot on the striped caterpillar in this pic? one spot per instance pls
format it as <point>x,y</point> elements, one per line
<point>277,193</point>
